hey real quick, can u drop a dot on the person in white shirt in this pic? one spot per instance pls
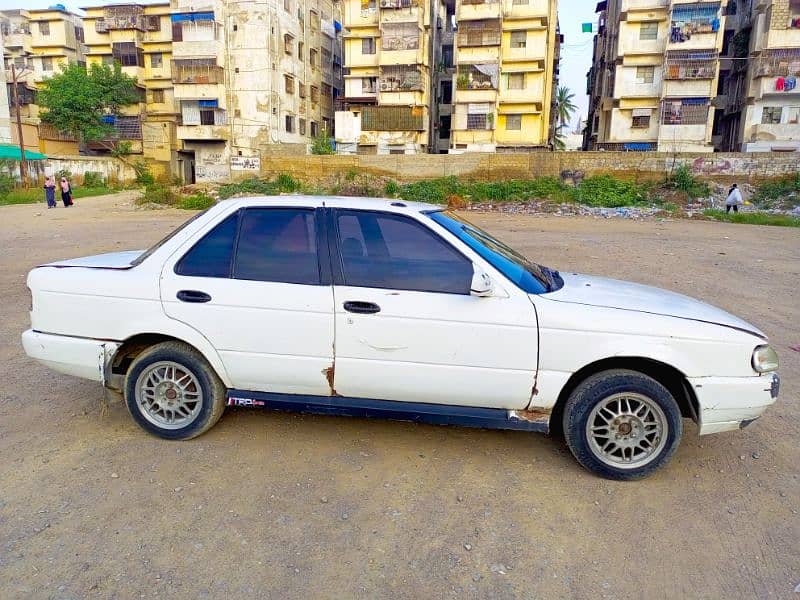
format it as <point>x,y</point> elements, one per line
<point>734,199</point>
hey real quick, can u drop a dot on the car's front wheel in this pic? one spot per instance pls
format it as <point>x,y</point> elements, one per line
<point>622,424</point>
<point>172,391</point>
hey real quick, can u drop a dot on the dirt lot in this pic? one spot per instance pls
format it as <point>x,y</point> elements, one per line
<point>286,506</point>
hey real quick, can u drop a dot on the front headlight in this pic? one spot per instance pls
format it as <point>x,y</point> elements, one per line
<point>765,359</point>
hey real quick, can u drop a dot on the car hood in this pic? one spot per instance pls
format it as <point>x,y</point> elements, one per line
<point>112,260</point>
<point>624,295</point>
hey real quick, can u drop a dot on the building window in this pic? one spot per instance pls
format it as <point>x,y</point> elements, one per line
<point>153,23</point>
<point>288,82</point>
<point>287,6</point>
<point>300,51</point>
<point>288,42</point>
<point>513,122</point>
<point>645,74</point>
<point>369,85</point>
<point>516,81</point>
<point>689,111</point>
<point>47,63</point>
<point>127,54</point>
<point>108,60</point>
<point>302,123</point>
<point>640,122</point>
<point>289,124</point>
<point>314,129</point>
<point>44,28</point>
<point>156,60</point>
<point>312,58</point>
<point>771,115</point>
<point>476,121</point>
<point>648,31</point>
<point>520,3</point>
<point>446,94</point>
<point>79,34</point>
<point>158,96</point>
<point>301,89</point>
<point>793,116</point>
<point>519,39</point>
<point>368,46</point>
<point>314,94</point>
<point>447,56</point>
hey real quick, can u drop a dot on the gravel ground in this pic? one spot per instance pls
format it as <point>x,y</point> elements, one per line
<point>286,506</point>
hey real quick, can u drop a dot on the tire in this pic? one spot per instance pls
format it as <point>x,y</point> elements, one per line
<point>172,392</point>
<point>622,424</point>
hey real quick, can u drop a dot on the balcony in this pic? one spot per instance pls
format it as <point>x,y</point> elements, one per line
<point>782,62</point>
<point>696,26</point>
<point>355,17</point>
<point>526,9</point>
<point>399,11</point>
<point>207,133</point>
<point>479,33</point>
<point>779,87</point>
<point>471,10</point>
<point>197,71</point>
<point>400,78</point>
<point>393,118</point>
<point>774,132</point>
<point>630,5</point>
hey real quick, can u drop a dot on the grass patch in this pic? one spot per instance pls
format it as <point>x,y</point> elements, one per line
<point>439,190</point>
<point>682,180</point>
<point>199,201</point>
<point>34,195</point>
<point>256,186</point>
<point>752,218</point>
<point>609,192</point>
<point>783,192</point>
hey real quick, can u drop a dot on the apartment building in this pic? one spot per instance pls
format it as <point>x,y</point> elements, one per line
<point>386,108</point>
<point>39,43</point>
<point>654,75</point>
<point>5,115</point>
<point>759,98</point>
<point>139,39</point>
<point>506,57</point>
<point>248,76</point>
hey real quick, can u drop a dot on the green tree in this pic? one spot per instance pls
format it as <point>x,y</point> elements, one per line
<point>76,100</point>
<point>565,107</point>
<point>322,144</point>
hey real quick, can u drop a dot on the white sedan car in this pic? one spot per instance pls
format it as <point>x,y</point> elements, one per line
<point>380,308</point>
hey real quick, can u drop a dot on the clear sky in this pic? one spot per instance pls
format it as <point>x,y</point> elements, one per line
<point>576,54</point>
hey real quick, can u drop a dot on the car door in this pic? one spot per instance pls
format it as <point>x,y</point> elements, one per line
<point>254,286</point>
<point>407,328</point>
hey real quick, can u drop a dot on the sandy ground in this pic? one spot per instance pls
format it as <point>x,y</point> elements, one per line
<point>286,506</point>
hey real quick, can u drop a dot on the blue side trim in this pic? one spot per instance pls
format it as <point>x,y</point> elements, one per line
<point>416,412</point>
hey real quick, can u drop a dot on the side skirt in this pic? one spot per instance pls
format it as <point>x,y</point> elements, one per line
<point>416,412</point>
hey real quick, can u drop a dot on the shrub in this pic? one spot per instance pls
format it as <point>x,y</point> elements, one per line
<point>683,180</point>
<point>322,145</point>
<point>199,201</point>
<point>253,186</point>
<point>287,183</point>
<point>391,189</point>
<point>607,191</point>
<point>143,175</point>
<point>432,190</point>
<point>7,183</point>
<point>122,148</point>
<point>158,193</point>
<point>93,179</point>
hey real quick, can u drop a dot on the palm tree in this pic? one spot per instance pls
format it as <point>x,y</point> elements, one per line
<point>564,106</point>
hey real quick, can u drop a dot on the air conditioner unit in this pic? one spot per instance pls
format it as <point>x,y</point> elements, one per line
<point>385,87</point>
<point>387,3</point>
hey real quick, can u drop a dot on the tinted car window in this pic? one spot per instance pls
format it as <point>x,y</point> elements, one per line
<point>211,256</point>
<point>277,244</point>
<point>395,252</point>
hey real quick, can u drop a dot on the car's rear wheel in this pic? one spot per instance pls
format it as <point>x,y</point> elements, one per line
<point>172,392</point>
<point>622,424</point>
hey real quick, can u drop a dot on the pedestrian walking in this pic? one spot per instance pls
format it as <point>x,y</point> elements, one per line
<point>734,199</point>
<point>66,192</point>
<point>50,191</point>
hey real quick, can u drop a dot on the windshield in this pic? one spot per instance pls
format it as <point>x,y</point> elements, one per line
<point>139,259</point>
<point>527,275</point>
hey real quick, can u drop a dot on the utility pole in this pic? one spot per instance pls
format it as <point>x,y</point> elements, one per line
<point>23,164</point>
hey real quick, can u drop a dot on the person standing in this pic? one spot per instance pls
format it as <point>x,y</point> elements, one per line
<point>66,192</point>
<point>734,199</point>
<point>50,191</point>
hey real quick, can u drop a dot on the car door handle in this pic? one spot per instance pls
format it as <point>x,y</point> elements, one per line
<point>364,308</point>
<point>193,296</point>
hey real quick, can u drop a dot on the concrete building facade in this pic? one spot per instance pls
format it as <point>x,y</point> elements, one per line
<point>5,114</point>
<point>506,60</point>
<point>249,76</point>
<point>139,39</point>
<point>760,99</point>
<point>388,50</point>
<point>39,43</point>
<point>654,75</point>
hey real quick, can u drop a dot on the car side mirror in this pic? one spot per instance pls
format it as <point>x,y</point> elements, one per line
<point>482,285</point>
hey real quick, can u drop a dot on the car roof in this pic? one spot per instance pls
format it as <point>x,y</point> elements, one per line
<point>377,204</point>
